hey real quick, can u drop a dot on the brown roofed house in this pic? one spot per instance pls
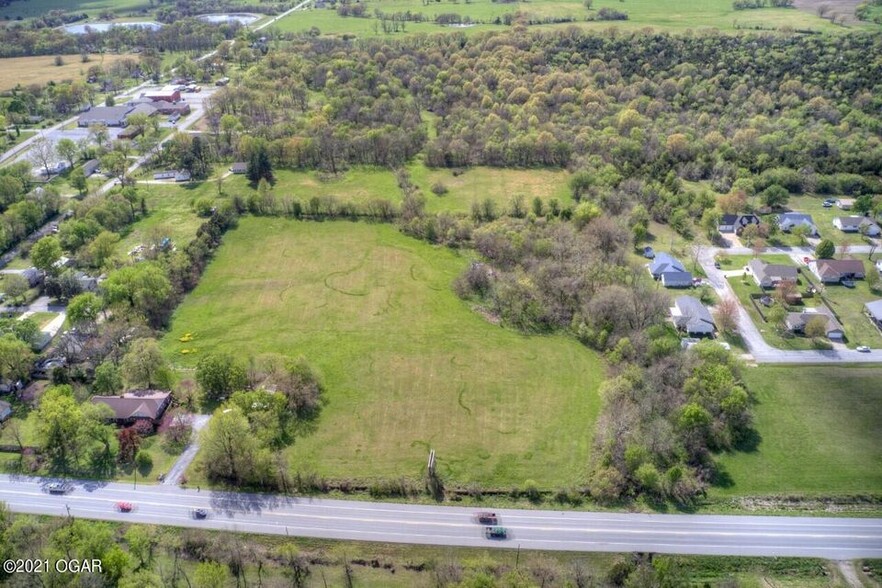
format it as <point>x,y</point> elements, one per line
<point>137,405</point>
<point>832,271</point>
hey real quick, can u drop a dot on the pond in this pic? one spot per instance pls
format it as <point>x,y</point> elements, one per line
<point>102,27</point>
<point>243,18</point>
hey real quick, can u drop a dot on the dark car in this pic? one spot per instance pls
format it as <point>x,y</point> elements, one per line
<point>496,532</point>
<point>200,513</point>
<point>717,264</point>
<point>488,518</point>
<point>58,488</point>
<point>648,253</point>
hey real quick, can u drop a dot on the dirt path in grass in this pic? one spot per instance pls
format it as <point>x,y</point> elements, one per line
<point>849,573</point>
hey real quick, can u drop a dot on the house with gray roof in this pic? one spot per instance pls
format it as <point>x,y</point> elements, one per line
<point>111,116</point>
<point>857,224</point>
<point>692,317</point>
<point>664,262</point>
<point>736,223</point>
<point>788,221</point>
<point>769,275</point>
<point>796,322</point>
<point>874,312</point>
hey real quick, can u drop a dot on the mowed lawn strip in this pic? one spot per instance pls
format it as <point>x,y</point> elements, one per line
<point>820,432</point>
<point>407,365</point>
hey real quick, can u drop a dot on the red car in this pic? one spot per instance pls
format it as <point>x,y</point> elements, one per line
<point>487,518</point>
<point>124,506</point>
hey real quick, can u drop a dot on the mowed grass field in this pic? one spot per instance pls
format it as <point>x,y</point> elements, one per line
<point>820,433</point>
<point>673,15</point>
<point>408,366</point>
<point>42,69</point>
<point>363,184</point>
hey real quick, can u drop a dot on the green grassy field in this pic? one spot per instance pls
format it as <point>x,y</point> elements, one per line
<point>820,433</point>
<point>362,184</point>
<point>407,365</point>
<point>170,214</point>
<point>673,15</point>
<point>33,8</point>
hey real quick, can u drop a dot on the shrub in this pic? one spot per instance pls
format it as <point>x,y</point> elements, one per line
<point>439,189</point>
<point>144,461</point>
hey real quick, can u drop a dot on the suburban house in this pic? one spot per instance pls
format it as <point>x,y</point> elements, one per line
<point>691,316</point>
<point>857,224</point>
<point>90,167</point>
<point>735,223</point>
<point>796,322</point>
<point>5,410</point>
<point>111,116</point>
<point>787,221</point>
<point>677,279</point>
<point>166,93</point>
<point>87,283</point>
<point>142,108</point>
<point>769,275</point>
<point>832,271</point>
<point>148,405</point>
<point>182,176</point>
<point>874,311</point>
<point>845,203</point>
<point>670,271</point>
<point>165,175</point>
<point>240,167</point>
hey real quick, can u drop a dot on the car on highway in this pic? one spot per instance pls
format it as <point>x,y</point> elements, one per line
<point>495,532</point>
<point>200,513</point>
<point>862,349</point>
<point>124,506</point>
<point>487,518</point>
<point>58,488</point>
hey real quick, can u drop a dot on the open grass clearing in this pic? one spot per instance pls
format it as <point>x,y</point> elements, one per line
<point>170,214</point>
<point>41,70</point>
<point>407,365</point>
<point>819,429</point>
<point>360,185</point>
<point>669,15</point>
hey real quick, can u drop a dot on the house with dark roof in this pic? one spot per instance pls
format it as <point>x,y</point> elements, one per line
<point>796,322</point>
<point>735,223</point>
<point>111,116</point>
<point>857,224</point>
<point>142,108</point>
<point>239,167</point>
<point>664,262</point>
<point>138,405</point>
<point>833,271</point>
<point>90,167</point>
<point>788,221</point>
<point>34,276</point>
<point>691,316</point>
<point>675,279</point>
<point>874,312</point>
<point>769,275</point>
<point>183,176</point>
<point>168,174</point>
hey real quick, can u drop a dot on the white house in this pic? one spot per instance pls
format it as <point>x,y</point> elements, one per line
<point>857,224</point>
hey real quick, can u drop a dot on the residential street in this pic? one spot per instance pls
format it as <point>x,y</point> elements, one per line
<point>830,538</point>
<point>761,351</point>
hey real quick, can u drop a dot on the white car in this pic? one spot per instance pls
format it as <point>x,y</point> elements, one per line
<point>862,349</point>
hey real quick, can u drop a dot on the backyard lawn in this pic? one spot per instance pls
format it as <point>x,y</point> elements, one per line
<point>819,433</point>
<point>407,366</point>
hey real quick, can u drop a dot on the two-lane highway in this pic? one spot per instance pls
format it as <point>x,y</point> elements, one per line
<point>832,538</point>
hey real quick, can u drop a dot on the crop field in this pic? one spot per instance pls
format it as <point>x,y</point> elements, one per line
<point>674,15</point>
<point>42,69</point>
<point>407,366</point>
<point>819,433</point>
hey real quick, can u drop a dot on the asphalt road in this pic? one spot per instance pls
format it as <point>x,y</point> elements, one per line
<point>830,538</point>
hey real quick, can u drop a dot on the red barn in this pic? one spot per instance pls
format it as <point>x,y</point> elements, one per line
<point>167,93</point>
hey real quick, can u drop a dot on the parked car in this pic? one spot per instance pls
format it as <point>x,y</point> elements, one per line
<point>717,265</point>
<point>848,283</point>
<point>488,518</point>
<point>495,532</point>
<point>862,349</point>
<point>648,253</point>
<point>827,204</point>
<point>200,513</point>
<point>124,506</point>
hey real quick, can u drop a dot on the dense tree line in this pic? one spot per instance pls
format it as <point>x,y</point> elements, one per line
<point>705,107</point>
<point>23,209</point>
